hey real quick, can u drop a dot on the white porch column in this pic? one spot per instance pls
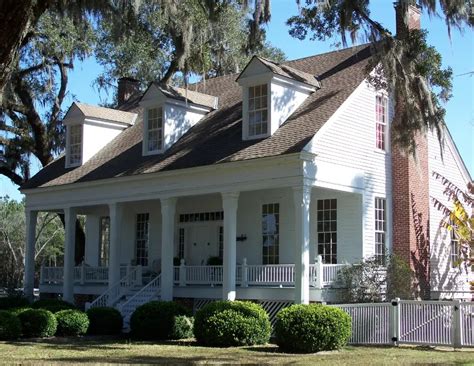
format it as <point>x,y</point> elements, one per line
<point>92,228</point>
<point>230,202</point>
<point>168,210</point>
<point>29,281</point>
<point>302,198</point>
<point>69,249</point>
<point>116,222</point>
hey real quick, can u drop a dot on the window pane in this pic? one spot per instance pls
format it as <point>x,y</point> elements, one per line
<point>327,230</point>
<point>270,232</point>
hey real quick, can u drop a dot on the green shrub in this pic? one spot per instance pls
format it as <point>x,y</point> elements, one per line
<point>104,321</point>
<point>231,323</point>
<point>312,328</point>
<point>157,320</point>
<point>72,322</point>
<point>12,302</point>
<point>10,326</point>
<point>38,323</point>
<point>53,305</point>
<point>18,311</point>
<point>182,327</point>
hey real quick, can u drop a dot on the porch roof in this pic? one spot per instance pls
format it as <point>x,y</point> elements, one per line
<point>217,138</point>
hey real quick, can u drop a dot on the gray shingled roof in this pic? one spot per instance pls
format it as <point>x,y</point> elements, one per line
<point>109,114</point>
<point>217,138</point>
<point>205,100</point>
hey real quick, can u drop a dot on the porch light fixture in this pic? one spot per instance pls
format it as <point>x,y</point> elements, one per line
<point>242,237</point>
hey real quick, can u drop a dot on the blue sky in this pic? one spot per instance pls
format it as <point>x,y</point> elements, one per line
<point>457,52</point>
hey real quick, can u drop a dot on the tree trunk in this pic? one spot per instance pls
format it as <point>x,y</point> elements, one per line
<point>17,18</point>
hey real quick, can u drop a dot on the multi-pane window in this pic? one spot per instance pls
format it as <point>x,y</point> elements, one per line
<point>454,249</point>
<point>75,144</point>
<point>380,229</point>
<point>155,129</point>
<point>327,230</point>
<point>270,233</point>
<point>141,239</point>
<point>181,243</point>
<point>381,119</point>
<point>202,216</point>
<point>258,111</point>
<point>104,241</point>
<point>221,242</point>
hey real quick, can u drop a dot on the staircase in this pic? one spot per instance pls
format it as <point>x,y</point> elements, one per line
<point>128,294</point>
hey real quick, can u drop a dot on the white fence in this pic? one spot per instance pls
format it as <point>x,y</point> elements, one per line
<point>447,323</point>
<point>83,274</point>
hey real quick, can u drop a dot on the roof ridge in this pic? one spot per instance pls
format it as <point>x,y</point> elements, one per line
<point>327,53</point>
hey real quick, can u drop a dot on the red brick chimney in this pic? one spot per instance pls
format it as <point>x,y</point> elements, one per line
<point>410,181</point>
<point>127,88</point>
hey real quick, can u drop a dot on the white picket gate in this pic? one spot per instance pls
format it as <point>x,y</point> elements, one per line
<point>447,323</point>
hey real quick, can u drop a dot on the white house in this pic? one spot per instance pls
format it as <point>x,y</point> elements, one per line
<point>284,172</point>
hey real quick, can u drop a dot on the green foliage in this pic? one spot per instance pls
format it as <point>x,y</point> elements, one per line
<point>231,323</point>
<point>72,322</point>
<point>312,328</point>
<point>18,311</point>
<point>38,323</point>
<point>182,327</point>
<point>158,320</point>
<point>399,279</point>
<point>12,302</point>
<point>53,305</point>
<point>214,261</point>
<point>105,321</point>
<point>10,326</point>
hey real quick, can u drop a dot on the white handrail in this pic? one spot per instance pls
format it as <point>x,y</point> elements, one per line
<point>146,294</point>
<point>109,297</point>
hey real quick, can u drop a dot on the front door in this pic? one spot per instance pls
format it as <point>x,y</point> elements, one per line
<point>201,246</point>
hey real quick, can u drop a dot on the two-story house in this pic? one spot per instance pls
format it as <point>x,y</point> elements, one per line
<point>261,185</point>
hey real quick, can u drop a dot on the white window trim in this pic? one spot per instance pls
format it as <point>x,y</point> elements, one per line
<point>246,84</point>
<point>387,129</point>
<point>385,232</point>
<point>268,109</point>
<point>68,146</point>
<point>145,130</point>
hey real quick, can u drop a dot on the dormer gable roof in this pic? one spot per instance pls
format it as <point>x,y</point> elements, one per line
<point>282,70</point>
<point>82,110</point>
<point>184,95</point>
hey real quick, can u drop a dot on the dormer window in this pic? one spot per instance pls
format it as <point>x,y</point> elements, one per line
<point>154,134</point>
<point>258,110</point>
<point>75,145</point>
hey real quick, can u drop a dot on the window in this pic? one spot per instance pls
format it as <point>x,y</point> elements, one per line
<point>258,111</point>
<point>221,242</point>
<point>104,241</point>
<point>380,229</point>
<point>75,144</point>
<point>202,216</point>
<point>381,118</point>
<point>327,230</point>
<point>181,243</point>
<point>155,129</point>
<point>270,232</point>
<point>454,249</point>
<point>141,243</point>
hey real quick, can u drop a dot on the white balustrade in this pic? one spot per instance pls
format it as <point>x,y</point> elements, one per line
<point>204,275</point>
<point>147,293</point>
<point>271,274</point>
<point>331,272</point>
<point>85,274</point>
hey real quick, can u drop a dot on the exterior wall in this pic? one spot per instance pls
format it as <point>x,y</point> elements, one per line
<point>347,140</point>
<point>95,137</point>
<point>446,281</point>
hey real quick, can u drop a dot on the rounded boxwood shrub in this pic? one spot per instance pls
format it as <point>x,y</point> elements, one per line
<point>18,311</point>
<point>53,305</point>
<point>231,323</point>
<point>38,323</point>
<point>157,320</point>
<point>312,328</point>
<point>72,322</point>
<point>12,302</point>
<point>182,327</point>
<point>104,321</point>
<point>10,326</point>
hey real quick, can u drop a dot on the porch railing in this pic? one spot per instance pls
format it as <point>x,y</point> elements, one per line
<point>83,274</point>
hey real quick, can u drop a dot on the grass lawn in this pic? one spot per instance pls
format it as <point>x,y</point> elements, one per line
<point>108,351</point>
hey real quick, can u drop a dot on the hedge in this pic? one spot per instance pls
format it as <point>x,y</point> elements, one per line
<point>231,323</point>
<point>10,326</point>
<point>161,320</point>
<point>312,328</point>
<point>12,302</point>
<point>72,322</point>
<point>38,323</point>
<point>104,321</point>
<point>53,305</point>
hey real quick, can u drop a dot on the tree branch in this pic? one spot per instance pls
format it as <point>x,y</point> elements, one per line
<point>10,174</point>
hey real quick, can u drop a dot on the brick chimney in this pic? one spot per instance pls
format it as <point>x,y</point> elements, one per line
<point>410,182</point>
<point>127,88</point>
